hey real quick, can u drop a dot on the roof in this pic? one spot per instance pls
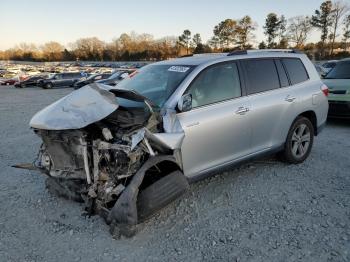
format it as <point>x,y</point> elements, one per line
<point>199,59</point>
<point>194,60</point>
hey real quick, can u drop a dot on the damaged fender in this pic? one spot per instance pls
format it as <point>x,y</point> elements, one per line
<point>124,211</point>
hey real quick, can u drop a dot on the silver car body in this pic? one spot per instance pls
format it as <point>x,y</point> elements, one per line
<point>217,135</point>
<point>212,136</point>
<point>111,151</point>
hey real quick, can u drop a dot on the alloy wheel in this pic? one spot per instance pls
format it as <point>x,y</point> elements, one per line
<point>300,140</point>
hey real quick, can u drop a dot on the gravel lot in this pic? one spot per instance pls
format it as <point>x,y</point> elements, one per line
<point>262,211</point>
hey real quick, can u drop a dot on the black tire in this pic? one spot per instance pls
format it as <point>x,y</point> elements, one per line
<point>160,194</point>
<point>67,188</point>
<point>23,85</point>
<point>48,86</point>
<point>288,153</point>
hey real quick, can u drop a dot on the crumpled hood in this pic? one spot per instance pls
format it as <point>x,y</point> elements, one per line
<point>79,109</point>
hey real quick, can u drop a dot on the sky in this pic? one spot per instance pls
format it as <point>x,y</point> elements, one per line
<point>64,21</point>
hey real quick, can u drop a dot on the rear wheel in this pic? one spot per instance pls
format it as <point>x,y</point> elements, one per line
<point>299,141</point>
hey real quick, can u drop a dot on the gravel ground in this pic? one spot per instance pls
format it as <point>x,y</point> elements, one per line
<point>262,211</point>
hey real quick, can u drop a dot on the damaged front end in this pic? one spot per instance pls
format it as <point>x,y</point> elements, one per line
<point>103,153</point>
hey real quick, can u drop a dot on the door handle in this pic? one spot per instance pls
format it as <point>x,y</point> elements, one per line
<point>290,98</point>
<point>242,110</point>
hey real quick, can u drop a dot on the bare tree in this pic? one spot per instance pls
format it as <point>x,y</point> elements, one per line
<point>298,30</point>
<point>52,51</point>
<point>338,11</point>
<point>346,34</point>
<point>90,48</point>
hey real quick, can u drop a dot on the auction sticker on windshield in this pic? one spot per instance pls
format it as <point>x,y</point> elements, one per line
<point>180,69</point>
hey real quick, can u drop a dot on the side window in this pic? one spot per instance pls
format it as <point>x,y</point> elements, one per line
<point>295,70</point>
<point>282,74</point>
<point>261,75</point>
<point>214,84</point>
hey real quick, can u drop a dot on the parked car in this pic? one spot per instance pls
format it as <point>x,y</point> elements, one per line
<point>114,79</point>
<point>329,65</point>
<point>91,79</point>
<point>338,82</point>
<point>9,82</point>
<point>320,70</point>
<point>30,81</point>
<point>60,80</point>
<point>129,151</point>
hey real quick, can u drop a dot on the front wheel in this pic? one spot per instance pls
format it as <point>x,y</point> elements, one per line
<point>299,141</point>
<point>48,86</point>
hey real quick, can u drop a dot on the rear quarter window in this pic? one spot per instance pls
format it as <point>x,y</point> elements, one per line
<point>295,69</point>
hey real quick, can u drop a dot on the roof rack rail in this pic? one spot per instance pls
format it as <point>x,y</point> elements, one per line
<point>238,52</point>
<point>245,52</point>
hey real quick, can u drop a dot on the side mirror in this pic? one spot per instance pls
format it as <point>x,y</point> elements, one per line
<point>185,103</point>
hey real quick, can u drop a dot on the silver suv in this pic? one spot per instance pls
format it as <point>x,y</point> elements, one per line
<point>128,151</point>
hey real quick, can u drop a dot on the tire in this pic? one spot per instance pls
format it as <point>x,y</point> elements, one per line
<point>48,86</point>
<point>66,188</point>
<point>23,85</point>
<point>299,141</point>
<point>160,194</point>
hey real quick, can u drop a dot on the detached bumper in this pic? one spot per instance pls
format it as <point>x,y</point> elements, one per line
<point>339,109</point>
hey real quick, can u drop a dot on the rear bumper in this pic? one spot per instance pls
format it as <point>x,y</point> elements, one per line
<point>339,109</point>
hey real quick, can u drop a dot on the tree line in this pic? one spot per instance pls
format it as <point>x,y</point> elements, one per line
<point>331,19</point>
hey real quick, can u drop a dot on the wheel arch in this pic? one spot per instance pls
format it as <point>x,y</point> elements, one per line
<point>311,115</point>
<point>159,170</point>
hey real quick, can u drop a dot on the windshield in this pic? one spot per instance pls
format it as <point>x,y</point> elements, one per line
<point>340,71</point>
<point>157,82</point>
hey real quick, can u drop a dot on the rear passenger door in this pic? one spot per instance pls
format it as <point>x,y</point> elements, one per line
<point>273,102</point>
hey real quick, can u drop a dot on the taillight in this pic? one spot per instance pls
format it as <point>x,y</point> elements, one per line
<point>325,90</point>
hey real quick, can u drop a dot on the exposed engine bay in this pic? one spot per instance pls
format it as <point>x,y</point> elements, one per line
<point>107,150</point>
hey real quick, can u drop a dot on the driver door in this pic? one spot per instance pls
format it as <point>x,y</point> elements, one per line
<point>217,128</point>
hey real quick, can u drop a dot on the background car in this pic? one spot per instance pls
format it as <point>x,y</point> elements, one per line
<point>329,65</point>
<point>338,82</point>
<point>60,80</point>
<point>30,81</point>
<point>321,70</point>
<point>8,82</point>
<point>114,79</point>
<point>91,79</point>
